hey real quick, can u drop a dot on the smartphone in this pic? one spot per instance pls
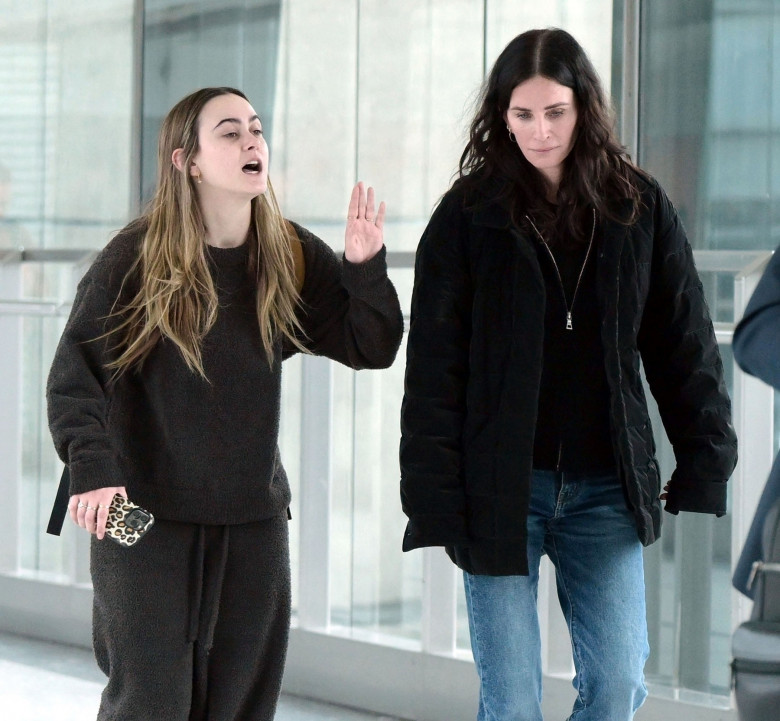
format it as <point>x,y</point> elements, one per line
<point>127,523</point>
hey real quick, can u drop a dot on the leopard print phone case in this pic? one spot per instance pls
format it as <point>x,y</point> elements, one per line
<point>127,523</point>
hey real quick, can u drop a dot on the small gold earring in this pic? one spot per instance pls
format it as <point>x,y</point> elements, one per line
<point>511,134</point>
<point>198,178</point>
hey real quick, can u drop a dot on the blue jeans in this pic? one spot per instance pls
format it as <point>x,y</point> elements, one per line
<point>584,526</point>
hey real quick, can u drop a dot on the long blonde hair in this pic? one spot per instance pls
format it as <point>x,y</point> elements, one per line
<point>176,297</point>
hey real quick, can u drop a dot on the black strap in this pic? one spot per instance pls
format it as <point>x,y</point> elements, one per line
<point>60,507</point>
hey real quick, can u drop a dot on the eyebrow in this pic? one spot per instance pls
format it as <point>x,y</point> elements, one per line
<point>547,107</point>
<point>236,121</point>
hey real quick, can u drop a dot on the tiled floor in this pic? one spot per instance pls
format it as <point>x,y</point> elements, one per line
<point>42,681</point>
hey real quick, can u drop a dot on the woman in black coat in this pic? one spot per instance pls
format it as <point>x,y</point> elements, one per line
<point>549,272</point>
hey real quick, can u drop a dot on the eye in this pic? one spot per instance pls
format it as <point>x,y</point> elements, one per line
<point>556,113</point>
<point>258,132</point>
<point>231,134</point>
<point>523,116</point>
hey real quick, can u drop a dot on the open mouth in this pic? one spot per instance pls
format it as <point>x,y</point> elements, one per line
<point>253,167</point>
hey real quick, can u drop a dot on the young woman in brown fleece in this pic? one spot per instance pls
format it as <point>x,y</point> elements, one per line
<point>165,388</point>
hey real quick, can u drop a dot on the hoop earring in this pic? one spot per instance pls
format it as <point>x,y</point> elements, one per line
<point>511,134</point>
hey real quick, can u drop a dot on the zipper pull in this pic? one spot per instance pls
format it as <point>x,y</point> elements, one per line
<point>568,320</point>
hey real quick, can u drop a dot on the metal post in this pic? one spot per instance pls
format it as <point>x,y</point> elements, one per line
<point>439,602</point>
<point>315,494</point>
<point>556,644</point>
<point>629,102</point>
<point>695,574</point>
<point>754,424</point>
<point>10,421</point>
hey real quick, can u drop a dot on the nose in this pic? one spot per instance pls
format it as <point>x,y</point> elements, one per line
<point>541,128</point>
<point>251,140</point>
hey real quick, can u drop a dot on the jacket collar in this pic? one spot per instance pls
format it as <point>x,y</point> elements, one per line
<point>496,214</point>
<point>486,210</point>
<point>492,214</point>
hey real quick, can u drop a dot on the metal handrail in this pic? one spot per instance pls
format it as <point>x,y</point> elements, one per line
<point>743,263</point>
<point>737,261</point>
<point>35,307</point>
<point>729,261</point>
<point>77,256</point>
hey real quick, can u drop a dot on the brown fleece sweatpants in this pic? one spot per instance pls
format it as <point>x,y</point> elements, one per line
<point>192,622</point>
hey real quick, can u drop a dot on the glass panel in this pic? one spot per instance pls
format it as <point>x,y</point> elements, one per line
<point>373,585</point>
<point>589,22</point>
<point>688,578</point>
<point>190,45</point>
<point>62,110</point>
<point>395,125</point>
<point>409,134</point>
<point>462,637</point>
<point>710,134</point>
<point>65,172</point>
<point>22,122</point>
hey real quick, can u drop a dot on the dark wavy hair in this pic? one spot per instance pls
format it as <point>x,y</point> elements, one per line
<point>597,172</point>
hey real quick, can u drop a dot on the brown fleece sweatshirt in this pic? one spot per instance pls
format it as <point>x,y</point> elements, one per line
<point>195,450</point>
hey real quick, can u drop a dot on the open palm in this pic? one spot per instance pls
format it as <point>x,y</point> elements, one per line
<point>363,237</point>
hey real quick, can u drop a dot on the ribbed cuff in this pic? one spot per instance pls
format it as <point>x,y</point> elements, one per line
<point>697,497</point>
<point>97,472</point>
<point>435,530</point>
<point>357,277</point>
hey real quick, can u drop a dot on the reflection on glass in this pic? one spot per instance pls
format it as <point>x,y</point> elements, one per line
<point>710,134</point>
<point>375,586</point>
<point>209,43</point>
<point>65,171</point>
<point>65,122</point>
<point>688,581</point>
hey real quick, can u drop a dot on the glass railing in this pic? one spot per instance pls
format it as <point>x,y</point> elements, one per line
<point>339,440</point>
<point>369,590</point>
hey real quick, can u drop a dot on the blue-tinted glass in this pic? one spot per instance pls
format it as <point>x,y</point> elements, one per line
<point>709,130</point>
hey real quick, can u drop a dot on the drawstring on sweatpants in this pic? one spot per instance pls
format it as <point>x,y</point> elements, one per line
<point>207,587</point>
<point>217,586</point>
<point>197,591</point>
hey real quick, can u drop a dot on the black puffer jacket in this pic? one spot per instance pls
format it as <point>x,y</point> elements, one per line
<point>474,360</point>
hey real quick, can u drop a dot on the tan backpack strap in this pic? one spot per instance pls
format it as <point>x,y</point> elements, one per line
<point>297,251</point>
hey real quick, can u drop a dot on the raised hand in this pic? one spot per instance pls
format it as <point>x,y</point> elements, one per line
<point>363,236</point>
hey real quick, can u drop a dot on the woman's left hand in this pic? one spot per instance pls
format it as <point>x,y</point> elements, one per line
<point>363,238</point>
